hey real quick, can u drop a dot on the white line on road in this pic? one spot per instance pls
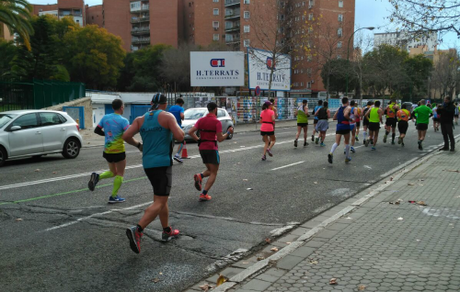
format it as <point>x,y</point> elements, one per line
<point>292,164</point>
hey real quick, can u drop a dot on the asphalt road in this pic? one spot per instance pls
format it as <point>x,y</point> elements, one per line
<point>58,236</point>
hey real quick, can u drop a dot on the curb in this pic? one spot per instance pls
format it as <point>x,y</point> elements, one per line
<point>384,183</point>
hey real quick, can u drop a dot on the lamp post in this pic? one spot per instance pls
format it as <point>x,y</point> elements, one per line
<point>348,50</point>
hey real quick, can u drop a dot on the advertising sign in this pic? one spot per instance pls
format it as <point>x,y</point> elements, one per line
<point>210,69</point>
<point>260,64</point>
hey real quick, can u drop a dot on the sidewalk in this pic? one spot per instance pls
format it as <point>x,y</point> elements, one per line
<point>383,239</point>
<point>90,139</point>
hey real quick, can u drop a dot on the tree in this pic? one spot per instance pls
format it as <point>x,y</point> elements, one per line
<point>16,15</point>
<point>176,66</point>
<point>446,73</point>
<point>423,15</point>
<point>334,74</point>
<point>8,51</point>
<point>418,68</point>
<point>93,56</point>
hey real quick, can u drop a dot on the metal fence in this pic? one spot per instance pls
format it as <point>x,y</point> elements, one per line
<point>38,94</point>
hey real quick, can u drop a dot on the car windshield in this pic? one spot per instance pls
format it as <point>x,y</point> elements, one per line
<point>194,114</point>
<point>5,119</point>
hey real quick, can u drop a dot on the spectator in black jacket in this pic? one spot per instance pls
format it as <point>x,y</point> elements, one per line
<point>446,112</point>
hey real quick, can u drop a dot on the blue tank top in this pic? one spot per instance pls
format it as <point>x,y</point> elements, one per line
<point>158,142</point>
<point>342,123</point>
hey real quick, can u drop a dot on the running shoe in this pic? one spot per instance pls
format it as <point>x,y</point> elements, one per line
<point>373,148</point>
<point>205,197</point>
<point>312,138</point>
<point>399,140</point>
<point>269,152</point>
<point>117,199</point>
<point>356,138</point>
<point>198,181</point>
<point>353,149</point>
<point>384,138</point>
<point>167,236</point>
<point>93,181</point>
<point>329,158</point>
<point>322,144</point>
<point>295,143</point>
<point>317,140</point>
<point>264,157</point>
<point>305,143</point>
<point>347,159</point>
<point>134,237</point>
<point>178,158</point>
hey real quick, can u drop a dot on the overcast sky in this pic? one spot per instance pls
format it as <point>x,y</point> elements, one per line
<point>368,13</point>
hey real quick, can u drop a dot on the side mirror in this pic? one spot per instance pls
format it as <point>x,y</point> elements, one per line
<point>15,128</point>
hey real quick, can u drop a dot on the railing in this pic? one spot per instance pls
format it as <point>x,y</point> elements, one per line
<point>140,19</point>
<point>140,40</point>
<point>140,9</point>
<point>230,38</point>
<point>232,13</point>
<point>140,30</point>
<point>231,2</point>
<point>230,28</point>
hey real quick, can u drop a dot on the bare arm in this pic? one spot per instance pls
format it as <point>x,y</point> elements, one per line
<point>192,133</point>
<point>380,112</point>
<point>335,115</point>
<point>221,137</point>
<point>128,135</point>
<point>346,113</point>
<point>182,116</point>
<point>328,114</point>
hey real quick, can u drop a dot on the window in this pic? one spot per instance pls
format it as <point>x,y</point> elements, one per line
<point>26,121</point>
<point>247,14</point>
<point>215,37</point>
<point>339,57</point>
<point>215,11</point>
<point>247,1</point>
<point>311,3</point>
<point>310,16</point>
<point>215,24</point>
<point>220,113</point>
<point>309,85</point>
<point>303,3</point>
<point>341,3</point>
<point>215,1</point>
<point>247,43</point>
<point>339,44</point>
<point>49,119</point>
<point>247,28</point>
<point>339,32</point>
<point>340,17</point>
<point>135,6</point>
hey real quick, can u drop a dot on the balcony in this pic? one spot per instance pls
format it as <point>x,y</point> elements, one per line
<point>231,14</point>
<point>140,41</point>
<point>142,8</point>
<point>140,30</point>
<point>231,2</point>
<point>230,38</point>
<point>232,28</point>
<point>140,19</point>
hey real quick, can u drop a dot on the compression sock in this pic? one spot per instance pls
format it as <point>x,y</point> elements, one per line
<point>139,228</point>
<point>334,147</point>
<point>106,174</point>
<point>386,133</point>
<point>393,137</point>
<point>116,185</point>
<point>347,150</point>
<point>167,229</point>
<point>202,175</point>
<point>204,192</point>
<point>180,148</point>
<point>364,135</point>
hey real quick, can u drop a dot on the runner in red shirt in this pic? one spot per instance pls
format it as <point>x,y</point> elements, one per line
<point>210,133</point>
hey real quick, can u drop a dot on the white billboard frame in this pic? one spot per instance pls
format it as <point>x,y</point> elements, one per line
<point>258,70</point>
<point>216,69</point>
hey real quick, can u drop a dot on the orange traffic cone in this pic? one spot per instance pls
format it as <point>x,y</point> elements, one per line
<point>184,151</point>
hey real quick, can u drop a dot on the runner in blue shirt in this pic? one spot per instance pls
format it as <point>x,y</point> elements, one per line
<point>178,112</point>
<point>315,121</point>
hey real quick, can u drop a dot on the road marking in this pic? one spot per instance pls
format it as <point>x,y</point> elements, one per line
<point>292,164</point>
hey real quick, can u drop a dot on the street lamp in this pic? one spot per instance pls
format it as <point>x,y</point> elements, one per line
<point>348,50</point>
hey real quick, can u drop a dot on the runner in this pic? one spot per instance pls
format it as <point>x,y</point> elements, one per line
<point>435,118</point>
<point>366,120</point>
<point>343,129</point>
<point>178,112</point>
<point>302,122</point>
<point>315,121</point>
<point>353,115</point>
<point>422,113</point>
<point>157,128</point>
<point>403,116</point>
<point>210,133</point>
<point>375,118</point>
<point>358,121</point>
<point>112,127</point>
<point>390,123</point>
<point>323,114</point>
<point>267,129</point>
<point>457,111</point>
<point>446,112</point>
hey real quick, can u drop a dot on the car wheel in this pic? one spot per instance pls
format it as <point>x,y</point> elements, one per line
<point>230,136</point>
<point>71,148</point>
<point>2,156</point>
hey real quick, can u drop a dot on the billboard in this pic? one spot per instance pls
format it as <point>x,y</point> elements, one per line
<point>209,69</point>
<point>260,63</point>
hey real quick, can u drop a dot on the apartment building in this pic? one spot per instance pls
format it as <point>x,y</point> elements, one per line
<point>408,41</point>
<point>71,8</point>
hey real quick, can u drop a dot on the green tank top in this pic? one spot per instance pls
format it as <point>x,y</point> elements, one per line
<point>374,115</point>
<point>302,117</point>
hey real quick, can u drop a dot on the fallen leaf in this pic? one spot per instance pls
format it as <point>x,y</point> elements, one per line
<point>274,249</point>
<point>221,280</point>
<point>245,263</point>
<point>245,179</point>
<point>161,273</point>
<point>411,184</point>
<point>315,182</point>
<point>349,218</point>
<point>333,281</point>
<point>156,280</point>
<point>391,178</point>
<point>361,287</point>
<point>288,242</point>
<point>421,203</point>
<point>206,287</point>
<point>18,219</point>
<point>268,240</point>
<point>400,218</point>
<point>397,202</point>
<point>313,262</point>
<point>37,170</point>
<point>54,172</point>
<point>260,259</point>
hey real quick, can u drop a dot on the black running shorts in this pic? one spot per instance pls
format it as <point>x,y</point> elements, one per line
<point>391,122</point>
<point>267,133</point>
<point>366,122</point>
<point>422,127</point>
<point>302,124</point>
<point>402,127</point>
<point>161,180</point>
<point>374,127</point>
<point>114,157</point>
<point>210,156</point>
<point>435,119</point>
<point>343,132</point>
<point>358,124</point>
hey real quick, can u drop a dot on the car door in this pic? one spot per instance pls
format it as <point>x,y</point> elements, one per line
<point>53,131</point>
<point>222,117</point>
<point>27,140</point>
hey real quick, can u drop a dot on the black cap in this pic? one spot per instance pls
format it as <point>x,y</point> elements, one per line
<point>159,99</point>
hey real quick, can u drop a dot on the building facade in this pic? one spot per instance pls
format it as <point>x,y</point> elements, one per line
<point>63,8</point>
<point>407,41</point>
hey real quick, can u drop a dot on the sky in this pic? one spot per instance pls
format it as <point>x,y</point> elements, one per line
<point>368,13</point>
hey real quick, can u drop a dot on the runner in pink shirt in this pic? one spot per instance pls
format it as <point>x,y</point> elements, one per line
<point>267,129</point>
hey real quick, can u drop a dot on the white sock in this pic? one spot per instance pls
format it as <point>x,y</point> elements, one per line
<point>364,135</point>
<point>347,150</point>
<point>334,147</point>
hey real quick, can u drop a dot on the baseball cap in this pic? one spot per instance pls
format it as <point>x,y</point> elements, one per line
<point>267,103</point>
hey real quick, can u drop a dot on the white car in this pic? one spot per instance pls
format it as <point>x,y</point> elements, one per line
<point>192,115</point>
<point>25,133</point>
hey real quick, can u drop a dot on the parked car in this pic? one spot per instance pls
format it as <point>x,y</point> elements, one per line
<point>25,133</point>
<point>192,115</point>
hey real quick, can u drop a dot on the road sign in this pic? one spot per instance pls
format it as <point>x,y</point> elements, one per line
<point>257,90</point>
